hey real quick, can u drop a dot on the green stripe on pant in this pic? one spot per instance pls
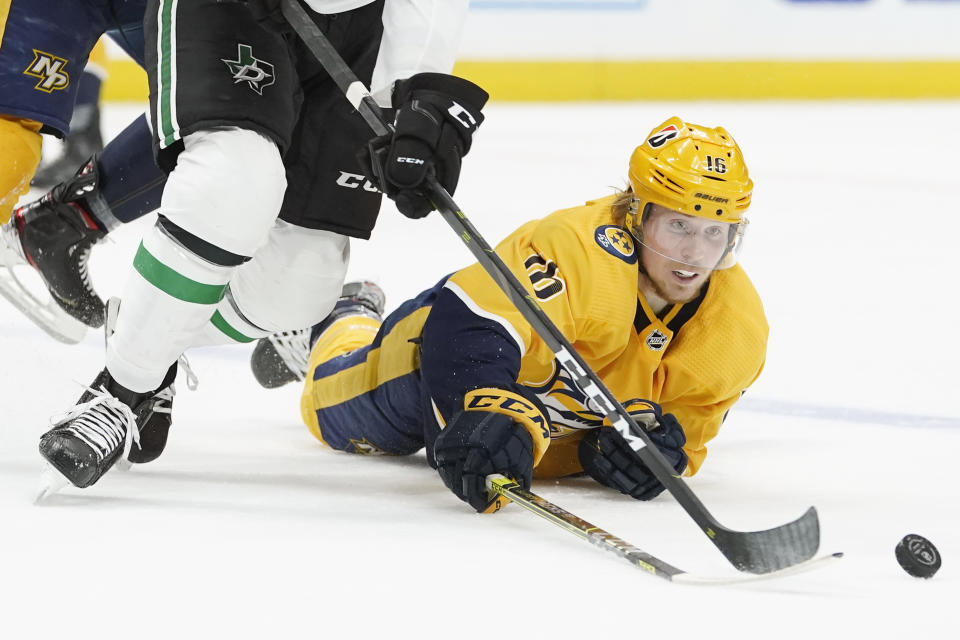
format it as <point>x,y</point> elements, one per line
<point>173,283</point>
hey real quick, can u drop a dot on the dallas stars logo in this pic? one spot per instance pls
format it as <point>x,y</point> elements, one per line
<point>258,74</point>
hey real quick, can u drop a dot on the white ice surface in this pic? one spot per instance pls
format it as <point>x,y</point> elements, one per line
<point>246,527</point>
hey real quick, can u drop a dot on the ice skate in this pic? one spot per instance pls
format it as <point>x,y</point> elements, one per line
<point>23,286</point>
<point>54,236</point>
<point>89,438</point>
<point>107,423</point>
<point>282,357</point>
<point>83,142</point>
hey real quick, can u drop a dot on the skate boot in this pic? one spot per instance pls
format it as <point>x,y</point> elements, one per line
<point>55,235</point>
<point>282,357</point>
<point>155,420</point>
<point>107,422</point>
<point>84,141</point>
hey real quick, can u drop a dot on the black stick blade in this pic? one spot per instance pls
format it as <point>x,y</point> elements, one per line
<point>771,550</point>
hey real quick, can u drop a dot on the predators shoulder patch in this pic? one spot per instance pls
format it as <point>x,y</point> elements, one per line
<point>617,242</point>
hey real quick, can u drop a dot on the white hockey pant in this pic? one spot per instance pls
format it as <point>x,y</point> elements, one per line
<point>221,200</point>
<point>292,282</point>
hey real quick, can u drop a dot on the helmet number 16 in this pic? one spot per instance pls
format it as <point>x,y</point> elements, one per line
<point>717,165</point>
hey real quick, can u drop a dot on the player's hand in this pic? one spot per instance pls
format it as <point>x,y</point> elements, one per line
<point>437,115</point>
<point>476,444</point>
<point>609,460</point>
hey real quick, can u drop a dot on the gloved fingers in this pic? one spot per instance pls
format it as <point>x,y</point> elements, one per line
<point>413,204</point>
<point>648,491</point>
<point>373,159</point>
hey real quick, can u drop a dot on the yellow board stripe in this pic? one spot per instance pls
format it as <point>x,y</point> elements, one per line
<point>670,80</point>
<point>682,80</point>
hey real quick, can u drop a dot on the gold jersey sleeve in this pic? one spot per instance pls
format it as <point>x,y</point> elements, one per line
<point>583,271</point>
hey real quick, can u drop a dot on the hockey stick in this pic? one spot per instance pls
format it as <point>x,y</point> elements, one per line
<point>750,551</point>
<point>636,556</point>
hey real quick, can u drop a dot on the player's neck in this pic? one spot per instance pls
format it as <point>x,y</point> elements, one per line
<point>649,292</point>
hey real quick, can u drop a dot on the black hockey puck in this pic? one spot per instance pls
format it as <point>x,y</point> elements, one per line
<point>918,556</point>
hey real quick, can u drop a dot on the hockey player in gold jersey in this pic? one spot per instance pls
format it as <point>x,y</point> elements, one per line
<point>645,285</point>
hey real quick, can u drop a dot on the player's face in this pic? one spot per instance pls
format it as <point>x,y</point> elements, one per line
<point>689,240</point>
<point>679,252</point>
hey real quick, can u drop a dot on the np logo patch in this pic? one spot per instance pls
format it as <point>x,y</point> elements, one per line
<point>656,340</point>
<point>257,73</point>
<point>617,242</point>
<point>49,69</point>
<point>658,139</point>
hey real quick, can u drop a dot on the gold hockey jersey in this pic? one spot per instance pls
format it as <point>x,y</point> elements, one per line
<point>695,361</point>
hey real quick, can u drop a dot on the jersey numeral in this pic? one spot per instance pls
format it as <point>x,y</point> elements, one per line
<point>543,276</point>
<point>717,165</point>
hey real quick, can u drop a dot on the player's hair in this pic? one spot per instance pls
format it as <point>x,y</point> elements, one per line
<point>620,206</point>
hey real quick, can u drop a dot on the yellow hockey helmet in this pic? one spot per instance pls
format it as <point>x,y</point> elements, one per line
<point>696,170</point>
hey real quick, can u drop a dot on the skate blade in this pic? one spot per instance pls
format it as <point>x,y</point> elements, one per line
<point>45,313</point>
<point>51,482</point>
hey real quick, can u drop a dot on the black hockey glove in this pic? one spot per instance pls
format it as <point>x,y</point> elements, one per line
<point>609,460</point>
<point>436,117</point>
<point>476,444</point>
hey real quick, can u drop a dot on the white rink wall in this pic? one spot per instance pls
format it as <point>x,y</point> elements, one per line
<point>712,30</point>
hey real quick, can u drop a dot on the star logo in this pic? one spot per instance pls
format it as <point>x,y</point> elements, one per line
<point>617,242</point>
<point>258,74</point>
<point>619,238</point>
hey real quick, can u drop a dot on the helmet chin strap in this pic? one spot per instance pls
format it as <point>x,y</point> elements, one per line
<point>635,219</point>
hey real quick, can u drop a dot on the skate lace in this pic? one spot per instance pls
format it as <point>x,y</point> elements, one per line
<point>103,422</point>
<point>294,349</point>
<point>192,380</point>
<point>82,255</point>
<point>163,400</point>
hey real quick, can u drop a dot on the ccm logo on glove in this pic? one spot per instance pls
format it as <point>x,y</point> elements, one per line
<point>510,404</point>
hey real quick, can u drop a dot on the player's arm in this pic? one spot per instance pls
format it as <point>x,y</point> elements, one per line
<point>436,114</point>
<point>577,291</point>
<point>470,365</point>
<point>20,141</point>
